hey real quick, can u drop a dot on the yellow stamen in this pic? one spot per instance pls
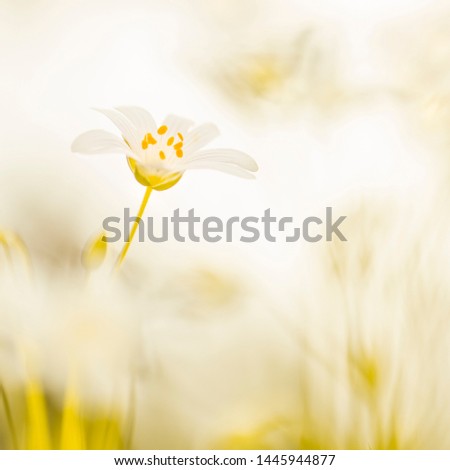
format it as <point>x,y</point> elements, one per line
<point>148,139</point>
<point>162,130</point>
<point>180,135</point>
<point>162,155</point>
<point>178,146</point>
<point>179,153</point>
<point>170,141</point>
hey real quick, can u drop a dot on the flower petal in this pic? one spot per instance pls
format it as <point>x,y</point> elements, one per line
<point>231,156</point>
<point>127,129</point>
<point>219,166</point>
<point>199,137</point>
<point>177,124</point>
<point>99,141</point>
<point>141,119</point>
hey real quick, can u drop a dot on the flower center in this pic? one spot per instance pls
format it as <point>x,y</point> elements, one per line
<point>164,145</point>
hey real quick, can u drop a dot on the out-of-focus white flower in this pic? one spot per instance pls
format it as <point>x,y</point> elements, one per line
<point>418,66</point>
<point>298,71</point>
<point>158,156</point>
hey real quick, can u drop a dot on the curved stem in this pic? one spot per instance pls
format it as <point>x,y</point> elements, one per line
<point>126,247</point>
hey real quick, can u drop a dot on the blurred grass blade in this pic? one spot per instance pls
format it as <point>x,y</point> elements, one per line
<point>72,429</point>
<point>38,432</point>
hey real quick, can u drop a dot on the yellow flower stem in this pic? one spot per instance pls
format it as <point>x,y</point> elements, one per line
<point>38,426</point>
<point>131,413</point>
<point>126,247</point>
<point>9,417</point>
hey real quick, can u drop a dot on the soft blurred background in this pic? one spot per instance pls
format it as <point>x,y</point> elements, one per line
<point>343,103</point>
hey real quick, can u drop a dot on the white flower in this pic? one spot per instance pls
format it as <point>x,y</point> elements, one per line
<point>158,156</point>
